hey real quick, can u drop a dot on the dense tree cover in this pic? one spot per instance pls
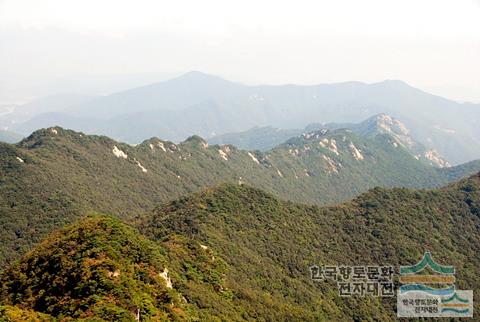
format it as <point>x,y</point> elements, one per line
<point>14,313</point>
<point>103,270</point>
<point>55,176</point>
<point>98,267</point>
<point>269,244</point>
<point>236,253</point>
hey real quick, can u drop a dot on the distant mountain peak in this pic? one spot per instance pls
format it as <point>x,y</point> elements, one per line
<point>40,137</point>
<point>389,124</point>
<point>196,73</point>
<point>395,83</point>
<point>198,76</point>
<point>196,140</point>
<point>386,124</point>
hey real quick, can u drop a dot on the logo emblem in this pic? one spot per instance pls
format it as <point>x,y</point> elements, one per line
<point>428,290</point>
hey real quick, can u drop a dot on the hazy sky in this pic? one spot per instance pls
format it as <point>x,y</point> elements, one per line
<point>432,44</point>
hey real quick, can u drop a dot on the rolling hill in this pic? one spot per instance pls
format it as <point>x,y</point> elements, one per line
<point>237,253</point>
<point>269,244</point>
<point>102,269</point>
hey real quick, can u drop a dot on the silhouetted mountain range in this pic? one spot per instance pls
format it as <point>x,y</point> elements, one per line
<point>197,103</point>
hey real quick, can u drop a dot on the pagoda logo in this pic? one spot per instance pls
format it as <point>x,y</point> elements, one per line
<point>428,290</point>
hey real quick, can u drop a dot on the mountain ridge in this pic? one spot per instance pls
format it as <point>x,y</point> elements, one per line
<point>208,105</point>
<point>55,176</point>
<point>268,137</point>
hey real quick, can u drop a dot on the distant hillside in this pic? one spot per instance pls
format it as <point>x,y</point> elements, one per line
<point>256,138</point>
<point>9,137</point>
<point>268,137</point>
<point>197,103</point>
<point>236,253</point>
<point>42,106</point>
